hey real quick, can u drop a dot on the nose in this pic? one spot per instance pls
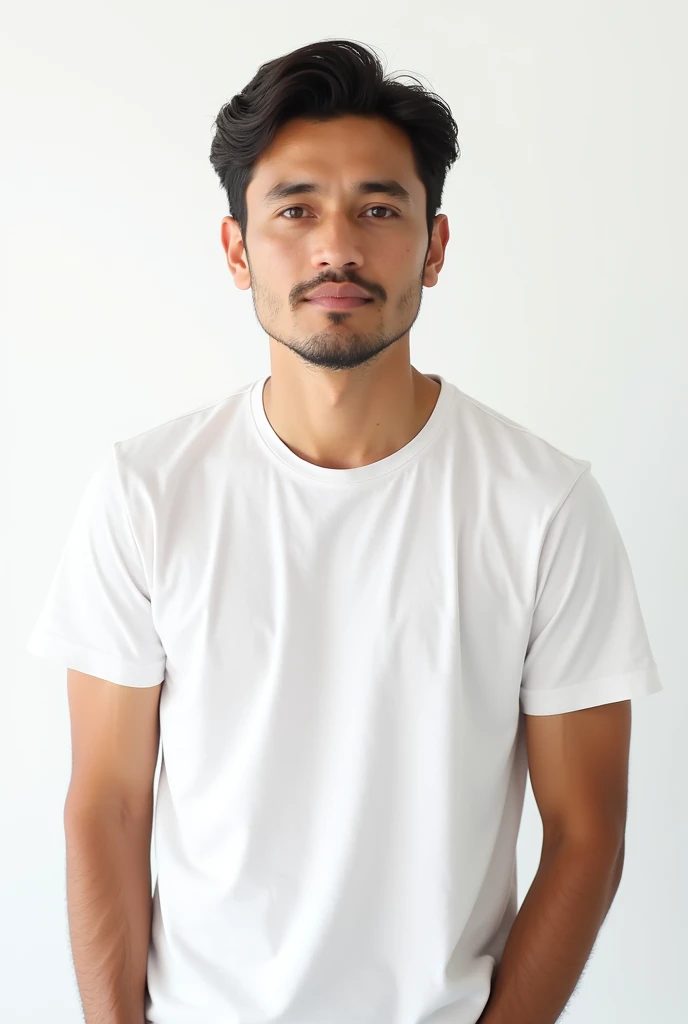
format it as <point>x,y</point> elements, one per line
<point>335,243</point>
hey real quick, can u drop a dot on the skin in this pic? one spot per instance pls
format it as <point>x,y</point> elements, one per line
<point>342,391</point>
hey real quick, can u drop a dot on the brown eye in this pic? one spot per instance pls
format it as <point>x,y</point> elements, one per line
<point>388,208</point>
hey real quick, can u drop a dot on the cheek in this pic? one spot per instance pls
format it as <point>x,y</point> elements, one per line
<point>271,246</point>
<point>404,252</point>
<point>277,263</point>
<point>281,241</point>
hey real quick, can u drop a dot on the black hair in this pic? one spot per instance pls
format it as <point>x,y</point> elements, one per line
<point>320,82</point>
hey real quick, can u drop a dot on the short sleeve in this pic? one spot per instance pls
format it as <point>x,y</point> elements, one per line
<point>588,643</point>
<point>97,615</point>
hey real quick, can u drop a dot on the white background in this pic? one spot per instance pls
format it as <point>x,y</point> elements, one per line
<point>562,304</point>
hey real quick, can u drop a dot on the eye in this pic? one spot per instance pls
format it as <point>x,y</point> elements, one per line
<point>288,210</point>
<point>387,208</point>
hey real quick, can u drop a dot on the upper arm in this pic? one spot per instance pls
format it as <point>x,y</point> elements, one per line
<point>578,764</point>
<point>115,737</point>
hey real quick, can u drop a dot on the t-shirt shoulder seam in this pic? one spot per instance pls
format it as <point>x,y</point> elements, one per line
<point>125,506</point>
<point>183,415</point>
<point>518,426</point>
<point>569,488</point>
<point>548,525</point>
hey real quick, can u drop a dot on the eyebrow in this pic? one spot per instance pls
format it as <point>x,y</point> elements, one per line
<point>286,189</point>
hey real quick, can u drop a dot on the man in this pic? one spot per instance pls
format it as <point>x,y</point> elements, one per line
<point>359,604</point>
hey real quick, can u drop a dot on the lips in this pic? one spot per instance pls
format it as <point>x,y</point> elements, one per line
<point>336,302</point>
<point>338,291</point>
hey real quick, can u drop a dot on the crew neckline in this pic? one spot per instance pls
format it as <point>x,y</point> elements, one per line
<point>356,474</point>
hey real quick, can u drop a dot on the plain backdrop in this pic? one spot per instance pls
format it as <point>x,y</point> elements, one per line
<point>562,304</point>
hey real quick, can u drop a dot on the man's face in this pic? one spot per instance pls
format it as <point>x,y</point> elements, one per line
<point>374,239</point>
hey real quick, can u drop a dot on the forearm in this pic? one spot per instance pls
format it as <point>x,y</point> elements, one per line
<point>109,908</point>
<point>553,934</point>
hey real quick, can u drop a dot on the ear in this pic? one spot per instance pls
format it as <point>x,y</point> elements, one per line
<point>438,244</point>
<point>235,251</point>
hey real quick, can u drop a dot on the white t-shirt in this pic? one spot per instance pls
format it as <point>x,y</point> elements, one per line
<point>346,655</point>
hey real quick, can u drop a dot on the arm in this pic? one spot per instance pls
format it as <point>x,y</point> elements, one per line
<point>109,908</point>
<point>578,765</point>
<point>553,934</point>
<point>108,822</point>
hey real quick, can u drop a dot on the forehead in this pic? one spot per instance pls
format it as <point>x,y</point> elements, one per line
<point>347,149</point>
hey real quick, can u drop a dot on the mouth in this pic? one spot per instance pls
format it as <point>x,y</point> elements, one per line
<point>332,302</point>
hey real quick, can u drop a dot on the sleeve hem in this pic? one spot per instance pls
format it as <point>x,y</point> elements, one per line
<point>105,665</point>
<point>591,693</point>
